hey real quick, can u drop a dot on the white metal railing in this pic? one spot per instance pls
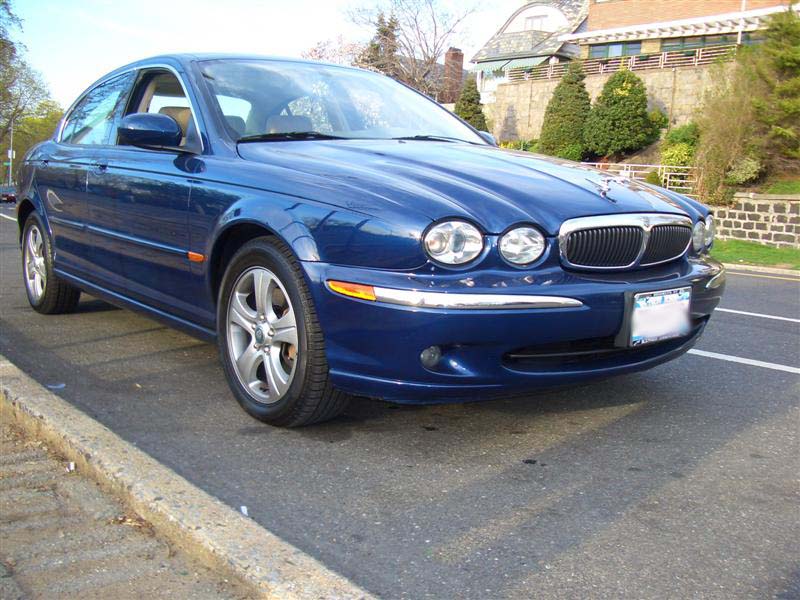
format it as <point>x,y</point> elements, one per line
<point>677,179</point>
<point>641,62</point>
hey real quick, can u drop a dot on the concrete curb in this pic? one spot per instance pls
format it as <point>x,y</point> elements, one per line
<point>757,269</point>
<point>201,525</point>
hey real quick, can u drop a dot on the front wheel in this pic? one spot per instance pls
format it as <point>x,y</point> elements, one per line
<point>270,341</point>
<point>47,293</point>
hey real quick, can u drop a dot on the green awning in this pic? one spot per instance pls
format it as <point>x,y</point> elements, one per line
<point>490,66</point>
<point>524,63</point>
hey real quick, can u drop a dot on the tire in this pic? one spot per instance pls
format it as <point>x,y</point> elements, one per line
<point>279,377</point>
<point>47,293</point>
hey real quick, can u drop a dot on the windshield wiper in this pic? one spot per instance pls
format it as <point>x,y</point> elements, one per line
<point>433,138</point>
<point>288,135</point>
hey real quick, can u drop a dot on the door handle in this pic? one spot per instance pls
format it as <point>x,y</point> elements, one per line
<point>100,166</point>
<point>45,163</point>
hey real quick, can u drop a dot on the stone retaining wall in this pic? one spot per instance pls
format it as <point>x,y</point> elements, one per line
<point>518,110</point>
<point>765,218</point>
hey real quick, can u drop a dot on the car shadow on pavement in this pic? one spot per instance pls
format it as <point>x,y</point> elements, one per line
<point>371,414</point>
<point>94,305</point>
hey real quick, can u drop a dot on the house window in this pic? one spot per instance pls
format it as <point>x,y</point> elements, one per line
<point>535,23</point>
<point>615,49</point>
<point>702,41</point>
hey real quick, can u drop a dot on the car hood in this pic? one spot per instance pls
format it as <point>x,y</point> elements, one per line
<point>489,186</point>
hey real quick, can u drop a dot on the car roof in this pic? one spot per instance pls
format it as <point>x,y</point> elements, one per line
<point>189,57</point>
<point>203,56</point>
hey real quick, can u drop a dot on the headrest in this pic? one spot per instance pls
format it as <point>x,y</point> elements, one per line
<point>181,114</point>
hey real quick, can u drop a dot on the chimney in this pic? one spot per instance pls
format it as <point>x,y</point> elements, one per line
<point>453,76</point>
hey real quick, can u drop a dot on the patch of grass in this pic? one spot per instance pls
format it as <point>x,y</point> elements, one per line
<point>785,186</point>
<point>752,253</point>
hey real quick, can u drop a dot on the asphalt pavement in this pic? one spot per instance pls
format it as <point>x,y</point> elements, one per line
<point>679,481</point>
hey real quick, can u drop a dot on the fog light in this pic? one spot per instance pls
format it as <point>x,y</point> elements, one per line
<point>430,356</point>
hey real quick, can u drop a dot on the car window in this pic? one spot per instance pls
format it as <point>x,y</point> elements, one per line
<point>312,107</point>
<point>235,107</point>
<point>162,93</point>
<point>237,113</point>
<point>94,119</point>
<point>293,97</point>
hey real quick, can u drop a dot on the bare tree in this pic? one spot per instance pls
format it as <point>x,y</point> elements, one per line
<point>338,51</point>
<point>425,30</point>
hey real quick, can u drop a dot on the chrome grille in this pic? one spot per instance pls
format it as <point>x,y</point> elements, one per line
<point>623,241</point>
<point>666,243</point>
<point>605,247</point>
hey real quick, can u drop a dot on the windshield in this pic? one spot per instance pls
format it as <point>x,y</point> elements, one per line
<point>265,99</point>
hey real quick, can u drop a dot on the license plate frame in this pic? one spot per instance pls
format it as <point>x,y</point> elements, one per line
<point>658,315</point>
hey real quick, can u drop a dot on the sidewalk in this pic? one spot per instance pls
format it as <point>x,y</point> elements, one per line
<point>61,537</point>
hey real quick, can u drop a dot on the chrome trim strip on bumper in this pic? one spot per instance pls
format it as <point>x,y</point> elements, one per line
<point>457,301</point>
<point>645,221</point>
<point>717,280</point>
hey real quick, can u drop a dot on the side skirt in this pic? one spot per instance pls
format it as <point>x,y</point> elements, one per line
<point>202,333</point>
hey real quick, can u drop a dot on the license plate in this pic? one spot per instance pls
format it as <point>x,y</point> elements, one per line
<point>660,316</point>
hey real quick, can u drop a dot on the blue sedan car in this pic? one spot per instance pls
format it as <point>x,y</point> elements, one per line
<point>337,233</point>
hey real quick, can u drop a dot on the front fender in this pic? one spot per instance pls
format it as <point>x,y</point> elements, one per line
<point>319,232</point>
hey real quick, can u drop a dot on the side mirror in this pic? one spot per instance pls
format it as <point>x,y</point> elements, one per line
<point>488,137</point>
<point>150,130</point>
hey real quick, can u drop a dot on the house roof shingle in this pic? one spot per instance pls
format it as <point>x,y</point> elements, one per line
<point>519,44</point>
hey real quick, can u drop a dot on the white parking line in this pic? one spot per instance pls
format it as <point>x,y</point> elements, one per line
<point>8,217</point>
<point>752,314</point>
<point>746,361</point>
<point>795,279</point>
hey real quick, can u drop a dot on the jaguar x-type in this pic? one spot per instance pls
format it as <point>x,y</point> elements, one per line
<point>337,233</point>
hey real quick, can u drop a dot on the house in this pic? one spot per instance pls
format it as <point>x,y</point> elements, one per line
<point>529,37</point>
<point>673,45</point>
<point>630,28</point>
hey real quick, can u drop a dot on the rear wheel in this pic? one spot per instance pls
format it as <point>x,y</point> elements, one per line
<point>270,341</point>
<point>47,293</point>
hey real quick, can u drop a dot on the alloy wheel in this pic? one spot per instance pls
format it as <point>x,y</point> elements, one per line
<point>262,335</point>
<point>35,270</point>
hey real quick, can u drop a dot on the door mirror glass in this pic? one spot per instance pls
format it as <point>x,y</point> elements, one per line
<point>150,130</point>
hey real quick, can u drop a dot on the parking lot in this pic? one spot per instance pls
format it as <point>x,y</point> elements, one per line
<point>679,481</point>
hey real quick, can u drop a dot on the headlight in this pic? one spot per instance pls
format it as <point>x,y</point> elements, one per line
<point>711,229</point>
<point>453,242</point>
<point>699,236</point>
<point>522,245</point>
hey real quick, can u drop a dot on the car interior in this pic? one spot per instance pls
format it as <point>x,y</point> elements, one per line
<point>271,103</point>
<point>161,92</point>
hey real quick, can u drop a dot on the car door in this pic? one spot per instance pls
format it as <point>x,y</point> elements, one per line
<point>62,172</point>
<point>149,191</point>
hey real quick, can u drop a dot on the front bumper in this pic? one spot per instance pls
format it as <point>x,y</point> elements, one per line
<point>373,347</point>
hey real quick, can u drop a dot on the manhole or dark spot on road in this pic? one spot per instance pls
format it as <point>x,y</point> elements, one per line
<point>635,469</point>
<point>530,461</point>
<point>430,428</point>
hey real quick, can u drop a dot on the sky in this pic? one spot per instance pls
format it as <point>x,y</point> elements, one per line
<point>74,42</point>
